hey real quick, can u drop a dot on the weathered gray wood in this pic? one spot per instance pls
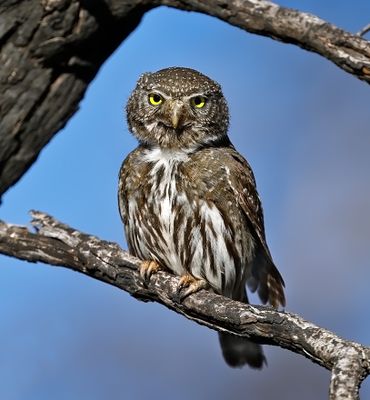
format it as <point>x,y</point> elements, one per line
<point>58,244</point>
<point>347,375</point>
<point>50,50</point>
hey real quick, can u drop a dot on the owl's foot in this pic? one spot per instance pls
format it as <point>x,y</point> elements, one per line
<point>188,285</point>
<point>148,268</point>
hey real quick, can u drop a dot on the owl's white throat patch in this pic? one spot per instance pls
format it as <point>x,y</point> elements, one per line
<point>165,156</point>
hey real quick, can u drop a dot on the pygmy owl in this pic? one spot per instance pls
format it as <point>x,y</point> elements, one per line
<point>188,199</point>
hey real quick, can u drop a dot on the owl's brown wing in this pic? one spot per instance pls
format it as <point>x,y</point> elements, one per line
<point>123,187</point>
<point>244,188</point>
<point>265,277</point>
<point>227,180</point>
<point>130,178</point>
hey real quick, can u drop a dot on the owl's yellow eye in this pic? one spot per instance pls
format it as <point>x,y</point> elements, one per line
<point>155,99</point>
<point>198,101</point>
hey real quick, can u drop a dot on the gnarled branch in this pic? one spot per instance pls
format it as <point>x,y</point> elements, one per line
<point>51,50</point>
<point>349,51</point>
<point>58,244</point>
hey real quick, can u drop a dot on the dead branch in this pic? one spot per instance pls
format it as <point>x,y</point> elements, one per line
<point>58,244</point>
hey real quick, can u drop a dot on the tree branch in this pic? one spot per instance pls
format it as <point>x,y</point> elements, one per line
<point>348,51</point>
<point>51,50</point>
<point>58,244</point>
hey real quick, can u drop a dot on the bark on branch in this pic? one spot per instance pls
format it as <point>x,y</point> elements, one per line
<point>58,244</point>
<point>50,50</point>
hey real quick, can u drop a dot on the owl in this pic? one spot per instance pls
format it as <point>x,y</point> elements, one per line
<point>188,199</point>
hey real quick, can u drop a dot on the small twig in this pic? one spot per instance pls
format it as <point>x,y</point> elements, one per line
<point>364,30</point>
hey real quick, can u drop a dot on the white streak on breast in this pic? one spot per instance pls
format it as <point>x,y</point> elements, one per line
<point>165,195</point>
<point>223,260</point>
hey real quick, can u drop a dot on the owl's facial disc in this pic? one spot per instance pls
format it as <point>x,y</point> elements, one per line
<point>177,108</point>
<point>170,113</point>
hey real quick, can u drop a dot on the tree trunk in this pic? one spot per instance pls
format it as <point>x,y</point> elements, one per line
<point>50,51</point>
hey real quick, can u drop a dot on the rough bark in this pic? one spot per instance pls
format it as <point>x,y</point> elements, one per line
<point>58,244</point>
<point>50,50</point>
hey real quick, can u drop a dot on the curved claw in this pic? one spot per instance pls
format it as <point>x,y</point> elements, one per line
<point>148,268</point>
<point>191,284</point>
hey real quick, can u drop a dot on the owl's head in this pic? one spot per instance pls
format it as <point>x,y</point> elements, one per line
<point>177,108</point>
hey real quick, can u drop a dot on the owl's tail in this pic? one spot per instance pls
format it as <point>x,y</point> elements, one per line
<point>238,351</point>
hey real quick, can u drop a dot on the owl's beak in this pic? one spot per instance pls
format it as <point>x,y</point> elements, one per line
<point>175,120</point>
<point>176,112</point>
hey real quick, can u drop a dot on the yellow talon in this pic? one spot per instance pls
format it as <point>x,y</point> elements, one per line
<point>191,284</point>
<point>148,268</point>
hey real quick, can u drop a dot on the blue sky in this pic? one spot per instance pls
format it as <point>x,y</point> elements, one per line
<point>304,126</point>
